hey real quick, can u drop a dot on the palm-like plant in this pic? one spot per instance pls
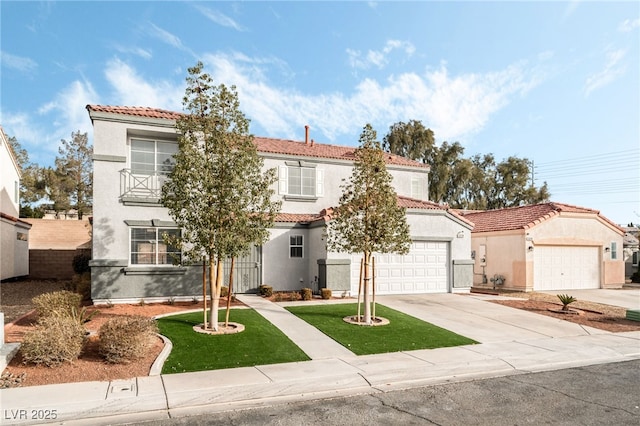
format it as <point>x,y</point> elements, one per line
<point>566,300</point>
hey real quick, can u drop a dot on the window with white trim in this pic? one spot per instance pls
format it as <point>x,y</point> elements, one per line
<point>148,246</point>
<point>419,189</point>
<point>614,250</point>
<point>150,157</point>
<point>301,180</point>
<point>296,246</point>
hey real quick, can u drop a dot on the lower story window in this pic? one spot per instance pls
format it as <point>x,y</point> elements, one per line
<point>150,247</point>
<point>295,246</point>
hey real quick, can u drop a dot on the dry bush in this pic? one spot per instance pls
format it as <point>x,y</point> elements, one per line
<point>325,293</point>
<point>266,290</point>
<point>57,303</point>
<point>306,294</point>
<point>126,337</point>
<point>54,340</point>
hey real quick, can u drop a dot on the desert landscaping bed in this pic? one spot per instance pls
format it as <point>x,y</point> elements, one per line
<point>16,304</point>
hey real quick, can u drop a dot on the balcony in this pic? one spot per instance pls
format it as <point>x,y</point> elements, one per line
<point>141,188</point>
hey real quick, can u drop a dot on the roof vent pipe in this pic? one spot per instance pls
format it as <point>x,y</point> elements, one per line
<point>306,134</point>
<point>311,142</point>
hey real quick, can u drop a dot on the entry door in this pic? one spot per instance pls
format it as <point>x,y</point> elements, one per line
<point>247,275</point>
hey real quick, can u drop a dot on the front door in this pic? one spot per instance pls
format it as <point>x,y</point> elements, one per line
<point>247,276</point>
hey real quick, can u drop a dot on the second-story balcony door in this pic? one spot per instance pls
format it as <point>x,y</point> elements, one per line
<point>151,163</point>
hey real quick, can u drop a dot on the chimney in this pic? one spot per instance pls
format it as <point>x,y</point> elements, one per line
<point>306,134</point>
<point>311,142</point>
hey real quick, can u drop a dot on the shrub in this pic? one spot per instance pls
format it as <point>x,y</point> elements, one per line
<point>566,300</point>
<point>224,291</point>
<point>293,296</point>
<point>306,294</point>
<point>57,303</point>
<point>325,293</point>
<point>81,263</point>
<point>81,284</point>
<point>266,290</point>
<point>126,337</point>
<point>54,340</point>
<point>278,297</point>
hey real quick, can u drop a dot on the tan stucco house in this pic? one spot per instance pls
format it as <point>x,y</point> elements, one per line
<point>549,246</point>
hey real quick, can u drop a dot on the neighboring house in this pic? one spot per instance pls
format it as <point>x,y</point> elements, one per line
<point>549,246</point>
<point>631,251</point>
<point>71,214</point>
<point>14,233</point>
<point>133,150</point>
<point>53,244</point>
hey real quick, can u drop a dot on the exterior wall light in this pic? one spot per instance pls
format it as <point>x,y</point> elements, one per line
<point>606,249</point>
<point>530,248</point>
<point>460,234</point>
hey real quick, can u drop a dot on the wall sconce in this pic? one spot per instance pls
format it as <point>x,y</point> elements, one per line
<point>530,248</point>
<point>606,249</point>
<point>460,234</point>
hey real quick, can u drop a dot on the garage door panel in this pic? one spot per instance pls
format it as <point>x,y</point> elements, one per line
<point>423,269</point>
<point>566,267</point>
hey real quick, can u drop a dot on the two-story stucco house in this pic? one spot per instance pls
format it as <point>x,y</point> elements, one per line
<point>133,148</point>
<point>14,233</point>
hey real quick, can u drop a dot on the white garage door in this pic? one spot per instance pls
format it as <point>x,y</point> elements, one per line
<point>566,268</point>
<point>423,270</point>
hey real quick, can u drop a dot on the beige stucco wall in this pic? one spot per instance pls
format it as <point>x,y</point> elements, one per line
<point>508,252</point>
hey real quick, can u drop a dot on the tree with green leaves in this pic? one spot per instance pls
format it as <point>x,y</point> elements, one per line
<point>32,186</point>
<point>73,176</point>
<point>217,192</point>
<point>476,183</point>
<point>368,218</point>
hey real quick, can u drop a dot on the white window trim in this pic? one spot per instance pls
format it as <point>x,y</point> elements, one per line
<point>614,251</point>
<point>283,180</point>
<point>292,246</point>
<point>155,151</point>
<point>155,264</point>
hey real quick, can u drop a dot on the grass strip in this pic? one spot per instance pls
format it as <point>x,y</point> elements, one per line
<point>260,343</point>
<point>404,333</point>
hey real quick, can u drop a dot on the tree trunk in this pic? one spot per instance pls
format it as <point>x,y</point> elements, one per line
<point>226,318</point>
<point>205,324</point>
<point>215,294</point>
<point>367,304</point>
<point>213,320</point>
<point>360,288</point>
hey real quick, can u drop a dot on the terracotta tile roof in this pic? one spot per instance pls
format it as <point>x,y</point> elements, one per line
<point>299,217</point>
<point>412,203</point>
<point>14,219</point>
<point>266,145</point>
<point>523,217</point>
<point>59,234</point>
<point>136,111</point>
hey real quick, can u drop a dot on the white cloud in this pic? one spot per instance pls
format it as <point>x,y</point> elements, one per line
<point>219,18</point>
<point>612,70</point>
<point>378,58</point>
<point>629,25</point>
<point>165,36</point>
<point>453,106</point>
<point>19,63</point>
<point>138,51</point>
<point>66,112</point>
<point>133,90</point>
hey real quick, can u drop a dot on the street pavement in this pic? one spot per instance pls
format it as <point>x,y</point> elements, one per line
<point>512,342</point>
<point>601,394</point>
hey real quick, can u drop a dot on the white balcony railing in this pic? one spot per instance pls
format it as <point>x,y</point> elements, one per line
<point>141,187</point>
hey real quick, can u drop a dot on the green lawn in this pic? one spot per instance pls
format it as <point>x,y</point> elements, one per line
<point>259,344</point>
<point>404,333</point>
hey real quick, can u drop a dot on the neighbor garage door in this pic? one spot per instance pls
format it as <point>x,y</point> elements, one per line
<point>566,268</point>
<point>423,270</point>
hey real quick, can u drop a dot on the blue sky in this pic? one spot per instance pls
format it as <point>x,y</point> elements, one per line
<point>555,82</point>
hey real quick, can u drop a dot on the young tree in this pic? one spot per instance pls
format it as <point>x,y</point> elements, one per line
<point>73,175</point>
<point>217,193</point>
<point>368,218</point>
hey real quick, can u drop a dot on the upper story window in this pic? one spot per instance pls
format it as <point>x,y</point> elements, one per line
<point>148,246</point>
<point>300,179</point>
<point>614,251</point>
<point>150,157</point>
<point>419,189</point>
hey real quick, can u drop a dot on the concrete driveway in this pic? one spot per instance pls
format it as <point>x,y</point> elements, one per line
<point>627,298</point>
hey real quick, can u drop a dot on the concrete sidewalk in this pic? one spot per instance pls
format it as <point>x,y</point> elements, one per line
<point>512,342</point>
